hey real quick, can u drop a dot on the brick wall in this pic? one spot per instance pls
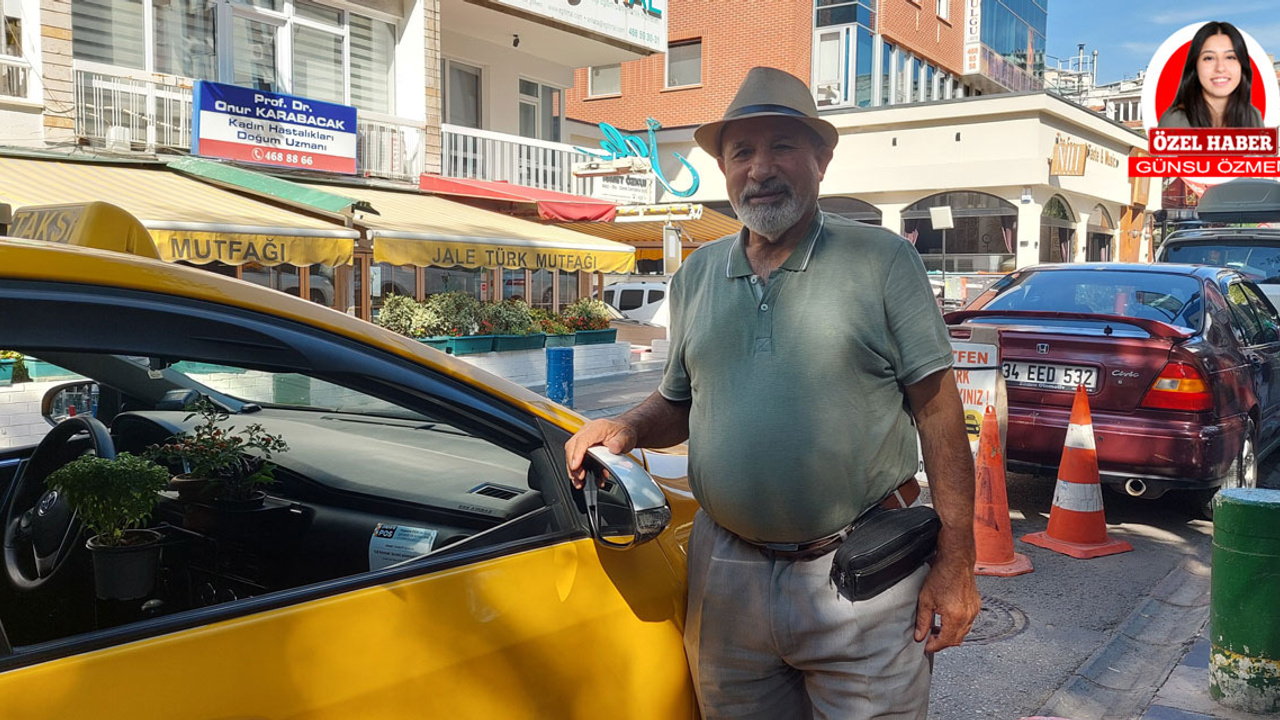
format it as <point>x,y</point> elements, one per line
<point>915,25</point>
<point>21,423</point>
<point>735,38</point>
<point>55,50</point>
<point>434,86</point>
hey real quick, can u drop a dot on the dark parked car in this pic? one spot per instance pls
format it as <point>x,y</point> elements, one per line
<point>1180,362</point>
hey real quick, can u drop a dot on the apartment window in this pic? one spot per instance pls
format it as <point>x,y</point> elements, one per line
<point>108,31</point>
<point>11,35</point>
<point>540,111</point>
<point>944,9</point>
<point>300,47</point>
<point>863,84</point>
<point>886,73</point>
<point>373,45</point>
<point>684,64</point>
<point>462,95</point>
<point>843,12</point>
<point>604,80</point>
<point>829,69</point>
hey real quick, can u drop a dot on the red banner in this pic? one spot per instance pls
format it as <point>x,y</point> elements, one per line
<point>1204,167</point>
<point>1212,142</point>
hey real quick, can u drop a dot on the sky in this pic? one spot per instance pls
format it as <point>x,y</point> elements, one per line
<point>1126,33</point>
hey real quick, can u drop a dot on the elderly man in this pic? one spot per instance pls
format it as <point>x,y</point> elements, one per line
<point>805,353</point>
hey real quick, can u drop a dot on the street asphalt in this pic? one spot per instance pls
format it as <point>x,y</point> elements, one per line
<point>1114,638</point>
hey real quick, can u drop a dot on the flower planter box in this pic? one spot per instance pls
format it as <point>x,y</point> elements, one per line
<point>6,370</point>
<point>596,337</point>
<point>470,344</point>
<point>199,368</point>
<point>503,343</point>
<point>41,370</point>
<point>440,342</point>
<point>566,340</point>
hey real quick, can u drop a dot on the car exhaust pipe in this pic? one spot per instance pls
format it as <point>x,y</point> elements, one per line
<point>1135,487</point>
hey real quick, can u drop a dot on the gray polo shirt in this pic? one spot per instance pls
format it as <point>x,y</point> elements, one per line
<point>798,419</point>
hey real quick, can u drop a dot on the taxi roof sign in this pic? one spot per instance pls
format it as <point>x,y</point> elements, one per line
<point>93,224</point>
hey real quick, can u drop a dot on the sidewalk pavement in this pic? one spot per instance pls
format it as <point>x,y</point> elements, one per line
<point>1156,667</point>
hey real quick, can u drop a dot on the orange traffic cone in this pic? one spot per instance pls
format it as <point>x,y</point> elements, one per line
<point>1077,525</point>
<point>991,531</point>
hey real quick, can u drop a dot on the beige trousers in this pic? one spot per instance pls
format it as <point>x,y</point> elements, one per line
<point>774,640</point>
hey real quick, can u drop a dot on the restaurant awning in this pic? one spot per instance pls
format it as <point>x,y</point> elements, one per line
<point>520,200</point>
<point>416,229</point>
<point>189,220</point>
<point>697,224</point>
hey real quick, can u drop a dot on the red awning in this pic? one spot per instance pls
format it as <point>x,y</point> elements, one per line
<point>544,204</point>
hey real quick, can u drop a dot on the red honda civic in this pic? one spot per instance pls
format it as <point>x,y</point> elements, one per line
<point>1181,364</point>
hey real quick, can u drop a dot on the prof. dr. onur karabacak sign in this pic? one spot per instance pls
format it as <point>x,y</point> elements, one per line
<point>268,128</point>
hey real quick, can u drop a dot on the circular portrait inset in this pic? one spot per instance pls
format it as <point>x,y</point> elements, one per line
<point>1207,75</point>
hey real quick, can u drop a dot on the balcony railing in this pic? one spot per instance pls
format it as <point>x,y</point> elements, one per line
<point>124,114</point>
<point>487,155</point>
<point>13,76</point>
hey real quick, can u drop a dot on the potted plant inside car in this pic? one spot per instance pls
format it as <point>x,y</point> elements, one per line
<point>112,497</point>
<point>558,333</point>
<point>590,321</point>
<point>459,318</point>
<point>220,464</point>
<point>511,322</point>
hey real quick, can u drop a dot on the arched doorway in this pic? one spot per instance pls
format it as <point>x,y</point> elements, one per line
<point>1101,231</point>
<point>1057,231</point>
<point>980,241</point>
<point>851,209</point>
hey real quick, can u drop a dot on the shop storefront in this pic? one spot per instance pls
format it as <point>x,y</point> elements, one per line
<point>646,227</point>
<point>197,223</point>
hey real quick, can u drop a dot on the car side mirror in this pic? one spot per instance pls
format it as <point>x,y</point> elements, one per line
<point>69,399</point>
<point>627,508</point>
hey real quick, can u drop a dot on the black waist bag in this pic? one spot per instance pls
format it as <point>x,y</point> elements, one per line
<point>883,548</point>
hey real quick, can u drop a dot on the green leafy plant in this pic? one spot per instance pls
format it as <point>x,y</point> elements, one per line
<point>110,496</point>
<point>549,323</point>
<point>20,373</point>
<point>586,314</point>
<point>456,313</point>
<point>403,314</point>
<point>509,317</point>
<point>235,462</point>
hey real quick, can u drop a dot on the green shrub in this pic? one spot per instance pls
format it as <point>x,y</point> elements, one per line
<point>20,374</point>
<point>587,314</point>
<point>509,317</point>
<point>110,496</point>
<point>549,323</point>
<point>403,314</point>
<point>454,313</point>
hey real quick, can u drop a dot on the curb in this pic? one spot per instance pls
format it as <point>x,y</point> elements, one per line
<point>1119,681</point>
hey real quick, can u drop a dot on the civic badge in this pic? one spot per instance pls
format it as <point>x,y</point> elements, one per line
<point>47,502</point>
<point>1042,348</point>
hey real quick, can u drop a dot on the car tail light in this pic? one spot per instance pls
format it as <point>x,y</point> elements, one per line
<point>1181,386</point>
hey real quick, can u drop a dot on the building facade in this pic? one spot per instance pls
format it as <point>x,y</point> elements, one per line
<point>459,88</point>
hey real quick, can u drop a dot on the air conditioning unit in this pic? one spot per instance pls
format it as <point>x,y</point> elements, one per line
<point>118,139</point>
<point>616,166</point>
<point>828,93</point>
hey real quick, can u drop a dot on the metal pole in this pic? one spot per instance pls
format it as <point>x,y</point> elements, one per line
<point>944,266</point>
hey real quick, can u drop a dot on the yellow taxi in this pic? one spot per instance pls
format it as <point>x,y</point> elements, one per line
<point>420,553</point>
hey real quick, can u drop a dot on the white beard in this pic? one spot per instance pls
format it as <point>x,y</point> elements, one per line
<point>771,220</point>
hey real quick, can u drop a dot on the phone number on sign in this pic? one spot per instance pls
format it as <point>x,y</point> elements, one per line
<point>280,156</point>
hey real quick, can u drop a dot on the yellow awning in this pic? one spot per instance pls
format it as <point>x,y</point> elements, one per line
<point>711,226</point>
<point>188,219</point>
<point>424,230</point>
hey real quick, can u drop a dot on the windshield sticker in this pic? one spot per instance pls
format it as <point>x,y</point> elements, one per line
<point>392,544</point>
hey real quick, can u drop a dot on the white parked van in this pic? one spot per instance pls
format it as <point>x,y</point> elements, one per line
<point>639,299</point>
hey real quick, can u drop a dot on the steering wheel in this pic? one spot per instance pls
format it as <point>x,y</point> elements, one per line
<point>41,531</point>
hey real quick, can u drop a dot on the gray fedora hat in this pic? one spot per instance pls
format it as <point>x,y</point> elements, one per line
<point>768,91</point>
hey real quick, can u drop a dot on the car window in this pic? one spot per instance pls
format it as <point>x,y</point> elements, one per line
<point>608,296</point>
<point>630,299</point>
<point>1248,327</point>
<point>387,461</point>
<point>1259,262</point>
<point>1175,299</point>
<point>656,295</point>
<point>1265,313</point>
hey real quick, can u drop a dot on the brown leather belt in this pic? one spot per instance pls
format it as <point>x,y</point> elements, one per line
<point>902,496</point>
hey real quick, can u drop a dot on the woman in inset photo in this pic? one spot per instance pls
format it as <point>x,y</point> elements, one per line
<point>1217,83</point>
